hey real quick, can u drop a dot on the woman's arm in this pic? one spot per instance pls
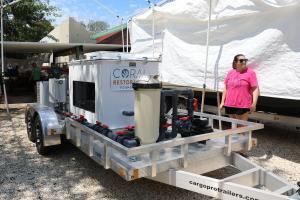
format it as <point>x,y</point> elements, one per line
<point>223,97</point>
<point>255,94</point>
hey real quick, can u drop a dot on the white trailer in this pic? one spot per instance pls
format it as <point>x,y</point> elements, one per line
<point>178,162</point>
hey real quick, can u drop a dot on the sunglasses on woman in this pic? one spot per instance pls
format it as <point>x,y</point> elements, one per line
<point>242,60</point>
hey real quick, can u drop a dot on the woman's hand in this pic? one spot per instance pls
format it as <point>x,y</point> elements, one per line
<point>253,108</point>
<point>255,93</point>
<point>221,106</point>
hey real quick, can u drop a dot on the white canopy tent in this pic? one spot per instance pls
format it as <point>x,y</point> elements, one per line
<point>264,30</point>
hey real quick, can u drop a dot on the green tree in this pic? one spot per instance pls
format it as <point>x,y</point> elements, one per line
<point>28,20</point>
<point>96,26</point>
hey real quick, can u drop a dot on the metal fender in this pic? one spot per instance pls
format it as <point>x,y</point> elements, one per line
<point>50,124</point>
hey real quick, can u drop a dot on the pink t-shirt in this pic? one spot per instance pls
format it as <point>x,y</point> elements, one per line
<point>239,86</point>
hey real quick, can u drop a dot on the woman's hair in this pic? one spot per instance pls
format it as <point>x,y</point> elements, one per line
<point>235,60</point>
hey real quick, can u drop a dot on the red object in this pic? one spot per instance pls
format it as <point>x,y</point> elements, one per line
<point>113,38</point>
<point>195,104</point>
<point>166,125</point>
<point>129,127</point>
<point>105,126</point>
<point>81,118</point>
<point>184,118</point>
<point>68,114</point>
<point>104,37</point>
<point>98,123</point>
<point>121,132</point>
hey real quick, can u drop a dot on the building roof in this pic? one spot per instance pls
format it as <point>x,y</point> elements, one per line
<point>110,31</point>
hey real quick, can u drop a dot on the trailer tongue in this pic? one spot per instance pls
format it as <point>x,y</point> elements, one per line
<point>178,146</point>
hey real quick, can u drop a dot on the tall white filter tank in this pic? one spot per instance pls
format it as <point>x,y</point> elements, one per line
<point>147,109</point>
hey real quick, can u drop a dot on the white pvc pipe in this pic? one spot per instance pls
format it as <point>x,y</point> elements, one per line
<point>2,60</point>
<point>206,58</point>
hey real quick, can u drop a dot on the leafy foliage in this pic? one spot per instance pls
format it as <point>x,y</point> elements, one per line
<point>95,26</point>
<point>28,20</point>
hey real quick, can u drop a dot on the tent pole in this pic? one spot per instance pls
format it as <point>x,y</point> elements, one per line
<point>216,88</point>
<point>219,110</point>
<point>206,59</point>
<point>123,42</point>
<point>153,30</point>
<point>2,61</point>
<point>127,35</point>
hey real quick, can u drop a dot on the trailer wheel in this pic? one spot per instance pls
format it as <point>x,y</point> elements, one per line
<point>30,132</point>
<point>41,149</point>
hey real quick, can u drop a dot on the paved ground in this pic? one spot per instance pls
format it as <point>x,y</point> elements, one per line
<point>68,174</point>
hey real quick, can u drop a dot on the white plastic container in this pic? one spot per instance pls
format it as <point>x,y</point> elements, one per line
<point>147,111</point>
<point>112,77</point>
<point>43,93</point>
<point>57,90</point>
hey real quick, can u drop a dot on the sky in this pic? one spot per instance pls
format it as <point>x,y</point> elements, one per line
<point>85,10</point>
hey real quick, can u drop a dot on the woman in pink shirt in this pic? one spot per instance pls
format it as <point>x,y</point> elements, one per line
<point>241,90</point>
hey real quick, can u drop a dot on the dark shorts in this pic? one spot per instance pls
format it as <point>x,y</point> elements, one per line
<point>235,111</point>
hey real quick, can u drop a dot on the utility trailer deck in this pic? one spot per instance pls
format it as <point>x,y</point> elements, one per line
<point>179,161</point>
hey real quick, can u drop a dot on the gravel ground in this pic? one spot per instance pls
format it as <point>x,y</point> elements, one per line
<point>68,174</point>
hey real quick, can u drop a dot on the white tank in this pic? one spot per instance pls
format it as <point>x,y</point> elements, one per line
<point>43,92</point>
<point>57,90</point>
<point>147,110</point>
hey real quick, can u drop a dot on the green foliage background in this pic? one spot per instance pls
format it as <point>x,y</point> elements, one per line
<point>28,20</point>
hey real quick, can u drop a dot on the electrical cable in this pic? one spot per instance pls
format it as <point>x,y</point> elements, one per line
<point>107,9</point>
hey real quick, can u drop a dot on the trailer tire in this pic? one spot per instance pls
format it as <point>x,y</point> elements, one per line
<point>41,149</point>
<point>29,126</point>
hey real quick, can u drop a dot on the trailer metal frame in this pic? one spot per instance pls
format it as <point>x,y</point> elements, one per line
<point>282,121</point>
<point>177,162</point>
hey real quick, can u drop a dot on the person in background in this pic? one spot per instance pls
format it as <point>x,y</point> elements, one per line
<point>35,73</point>
<point>55,71</point>
<point>35,77</point>
<point>241,90</point>
<point>17,70</point>
<point>65,69</point>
